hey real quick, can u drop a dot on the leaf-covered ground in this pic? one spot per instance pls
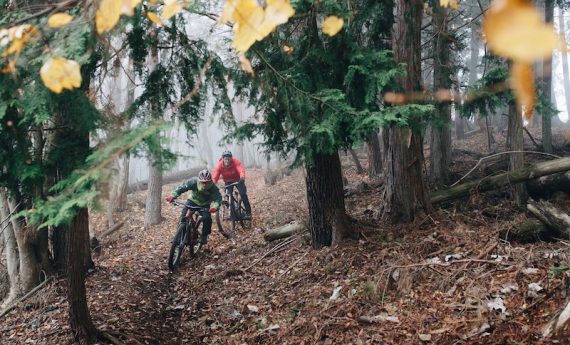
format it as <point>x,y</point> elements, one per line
<point>446,279</point>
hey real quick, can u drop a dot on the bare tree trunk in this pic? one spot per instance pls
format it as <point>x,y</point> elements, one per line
<point>153,211</point>
<point>374,156</point>
<point>547,82</point>
<point>359,169</point>
<point>30,266</point>
<point>11,251</point>
<point>405,194</point>
<point>516,160</point>
<point>79,318</point>
<point>328,221</point>
<point>441,134</point>
<point>565,71</point>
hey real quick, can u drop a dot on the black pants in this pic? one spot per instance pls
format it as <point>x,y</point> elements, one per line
<point>206,217</point>
<point>243,192</point>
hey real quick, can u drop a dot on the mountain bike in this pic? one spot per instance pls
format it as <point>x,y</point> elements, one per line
<point>232,212</point>
<point>188,233</point>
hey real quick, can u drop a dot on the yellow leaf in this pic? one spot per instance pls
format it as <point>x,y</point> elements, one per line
<point>60,73</point>
<point>522,83</point>
<point>171,9</point>
<point>514,29</point>
<point>245,64</point>
<point>248,18</point>
<point>59,19</point>
<point>154,18</point>
<point>108,15</point>
<point>253,22</point>
<point>332,25</point>
<point>277,12</point>
<point>445,3</point>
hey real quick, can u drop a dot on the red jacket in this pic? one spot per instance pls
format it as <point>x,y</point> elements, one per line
<point>230,174</point>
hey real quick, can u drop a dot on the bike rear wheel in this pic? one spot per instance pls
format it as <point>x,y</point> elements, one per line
<point>177,247</point>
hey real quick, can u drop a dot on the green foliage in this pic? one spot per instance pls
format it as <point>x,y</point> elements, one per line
<point>79,189</point>
<point>487,97</point>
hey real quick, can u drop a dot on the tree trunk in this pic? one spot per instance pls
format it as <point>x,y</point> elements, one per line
<point>359,169</point>
<point>405,194</point>
<point>374,156</point>
<point>153,214</point>
<point>547,84</point>
<point>498,181</point>
<point>30,266</point>
<point>11,251</point>
<point>516,160</point>
<point>441,134</point>
<point>328,222</point>
<point>459,127</point>
<point>565,71</point>
<point>82,327</point>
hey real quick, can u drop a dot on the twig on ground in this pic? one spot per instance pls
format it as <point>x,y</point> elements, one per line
<point>34,290</point>
<point>272,250</point>
<point>296,262</point>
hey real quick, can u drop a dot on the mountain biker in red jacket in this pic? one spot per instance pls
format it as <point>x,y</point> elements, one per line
<point>204,194</point>
<point>232,171</point>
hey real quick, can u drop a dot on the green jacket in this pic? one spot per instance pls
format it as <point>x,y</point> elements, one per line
<point>200,196</point>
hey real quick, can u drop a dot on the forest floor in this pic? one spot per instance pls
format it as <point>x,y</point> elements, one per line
<point>445,279</point>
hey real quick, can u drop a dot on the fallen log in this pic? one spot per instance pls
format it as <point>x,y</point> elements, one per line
<point>531,231</point>
<point>545,186</point>
<point>553,217</point>
<point>501,180</point>
<point>283,231</point>
<point>96,240</point>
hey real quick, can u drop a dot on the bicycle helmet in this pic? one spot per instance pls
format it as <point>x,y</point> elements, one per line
<point>227,154</point>
<point>204,176</point>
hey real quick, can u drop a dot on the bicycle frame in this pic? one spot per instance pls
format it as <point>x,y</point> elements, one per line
<point>186,234</point>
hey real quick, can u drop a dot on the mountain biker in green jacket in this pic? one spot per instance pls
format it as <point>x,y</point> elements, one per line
<point>204,193</point>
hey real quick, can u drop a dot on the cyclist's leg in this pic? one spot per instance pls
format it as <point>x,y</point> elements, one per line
<point>243,193</point>
<point>206,225</point>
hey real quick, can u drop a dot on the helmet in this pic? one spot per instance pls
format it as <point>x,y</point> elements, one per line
<point>204,176</point>
<point>227,154</point>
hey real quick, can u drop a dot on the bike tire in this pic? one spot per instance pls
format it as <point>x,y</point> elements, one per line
<point>177,247</point>
<point>222,216</point>
<point>195,235</point>
<point>245,223</point>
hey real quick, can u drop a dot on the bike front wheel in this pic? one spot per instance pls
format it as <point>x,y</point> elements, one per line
<point>245,223</point>
<point>177,247</point>
<point>194,243</point>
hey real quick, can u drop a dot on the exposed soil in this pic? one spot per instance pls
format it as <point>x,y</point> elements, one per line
<point>445,279</point>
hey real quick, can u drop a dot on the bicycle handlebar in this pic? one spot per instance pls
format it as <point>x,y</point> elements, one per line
<point>231,185</point>
<point>193,208</point>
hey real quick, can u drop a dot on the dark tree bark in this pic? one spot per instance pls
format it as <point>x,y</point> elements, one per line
<point>405,195</point>
<point>328,222</point>
<point>441,134</point>
<point>516,160</point>
<point>547,84</point>
<point>374,157</point>
<point>77,233</point>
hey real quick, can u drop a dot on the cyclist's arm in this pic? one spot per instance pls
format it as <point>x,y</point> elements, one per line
<point>184,187</point>
<point>217,198</point>
<point>240,169</point>
<point>216,172</point>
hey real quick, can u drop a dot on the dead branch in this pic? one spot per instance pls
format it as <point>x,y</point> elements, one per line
<point>26,296</point>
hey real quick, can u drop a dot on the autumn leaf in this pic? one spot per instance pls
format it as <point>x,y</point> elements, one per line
<point>522,83</point>
<point>170,9</point>
<point>154,18</point>
<point>445,3</point>
<point>514,29</point>
<point>245,64</point>
<point>59,19</point>
<point>332,25</point>
<point>59,73</point>
<point>110,11</point>
<point>107,15</point>
<point>253,22</point>
<point>17,37</point>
